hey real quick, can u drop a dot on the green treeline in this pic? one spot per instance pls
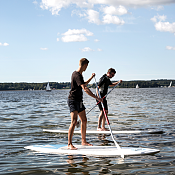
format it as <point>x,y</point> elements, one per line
<point>33,86</point>
<point>67,85</point>
<point>147,84</point>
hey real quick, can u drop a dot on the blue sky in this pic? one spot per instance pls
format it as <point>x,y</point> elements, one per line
<point>43,40</point>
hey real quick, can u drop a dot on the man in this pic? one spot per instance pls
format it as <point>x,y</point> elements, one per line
<point>103,84</point>
<point>75,102</point>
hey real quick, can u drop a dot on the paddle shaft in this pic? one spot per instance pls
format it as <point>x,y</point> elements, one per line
<point>94,106</point>
<point>104,111</point>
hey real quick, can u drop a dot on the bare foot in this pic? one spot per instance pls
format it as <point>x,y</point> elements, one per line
<point>99,129</point>
<point>105,129</point>
<point>86,144</point>
<point>71,147</point>
<point>102,129</point>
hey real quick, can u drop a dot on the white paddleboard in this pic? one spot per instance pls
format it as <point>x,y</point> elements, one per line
<point>106,132</point>
<point>99,151</point>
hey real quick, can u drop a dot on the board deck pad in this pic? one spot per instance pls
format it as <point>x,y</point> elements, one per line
<point>101,151</point>
<point>107,132</point>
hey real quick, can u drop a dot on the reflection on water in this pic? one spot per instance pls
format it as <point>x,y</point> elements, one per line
<point>24,114</point>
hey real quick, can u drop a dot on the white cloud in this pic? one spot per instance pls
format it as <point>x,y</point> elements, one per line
<point>99,50</point>
<point>56,5</point>
<point>121,10</point>
<point>170,48</point>
<point>108,19</point>
<point>5,44</point>
<point>158,17</point>
<point>78,13</point>
<point>58,39</point>
<point>87,49</point>
<point>154,19</point>
<point>44,48</point>
<point>163,26</point>
<point>96,40</point>
<point>76,35</point>
<point>158,8</point>
<point>93,16</point>
<point>35,2</point>
<point>110,8</point>
<point>133,3</point>
<point>77,32</point>
<point>74,38</point>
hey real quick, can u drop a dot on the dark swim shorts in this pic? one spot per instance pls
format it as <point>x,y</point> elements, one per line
<point>75,106</point>
<point>105,105</point>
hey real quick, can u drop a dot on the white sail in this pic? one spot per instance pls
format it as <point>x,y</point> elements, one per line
<point>48,87</point>
<point>137,86</point>
<point>170,84</point>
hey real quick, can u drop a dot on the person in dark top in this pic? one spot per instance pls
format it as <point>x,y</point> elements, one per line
<point>75,102</point>
<point>103,85</point>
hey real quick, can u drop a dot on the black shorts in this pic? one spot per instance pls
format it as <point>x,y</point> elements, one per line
<point>75,106</point>
<point>104,103</point>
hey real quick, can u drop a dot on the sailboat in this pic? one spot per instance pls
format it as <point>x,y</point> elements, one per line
<point>137,86</point>
<point>48,87</point>
<point>170,84</point>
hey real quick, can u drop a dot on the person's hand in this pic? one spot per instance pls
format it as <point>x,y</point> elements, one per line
<point>93,75</point>
<point>120,81</point>
<point>100,99</point>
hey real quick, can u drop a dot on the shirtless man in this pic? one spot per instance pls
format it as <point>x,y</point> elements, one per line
<point>75,102</point>
<point>103,84</point>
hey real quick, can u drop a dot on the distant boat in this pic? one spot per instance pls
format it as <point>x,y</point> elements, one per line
<point>170,84</point>
<point>137,86</point>
<point>48,87</point>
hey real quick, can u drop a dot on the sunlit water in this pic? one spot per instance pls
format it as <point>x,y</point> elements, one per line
<point>24,115</point>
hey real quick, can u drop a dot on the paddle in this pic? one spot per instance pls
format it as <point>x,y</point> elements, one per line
<point>116,144</point>
<point>78,122</point>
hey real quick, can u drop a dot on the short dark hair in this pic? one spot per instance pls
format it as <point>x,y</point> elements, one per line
<point>111,70</point>
<point>83,61</point>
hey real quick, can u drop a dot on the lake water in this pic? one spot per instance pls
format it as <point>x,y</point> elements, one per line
<point>24,115</point>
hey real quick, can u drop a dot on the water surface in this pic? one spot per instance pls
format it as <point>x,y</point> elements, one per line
<point>24,115</point>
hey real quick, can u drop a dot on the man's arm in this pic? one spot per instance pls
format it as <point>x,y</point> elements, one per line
<point>92,76</point>
<point>89,92</point>
<point>113,84</point>
<point>97,91</point>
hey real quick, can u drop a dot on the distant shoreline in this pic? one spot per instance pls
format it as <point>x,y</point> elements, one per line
<point>69,89</point>
<point>67,85</point>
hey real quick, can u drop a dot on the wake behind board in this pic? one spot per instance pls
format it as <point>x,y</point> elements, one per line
<point>106,132</point>
<point>99,151</point>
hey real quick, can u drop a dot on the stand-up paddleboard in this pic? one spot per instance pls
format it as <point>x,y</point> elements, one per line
<point>106,132</point>
<point>99,151</point>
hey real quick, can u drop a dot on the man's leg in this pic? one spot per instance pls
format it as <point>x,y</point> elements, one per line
<point>100,118</point>
<point>83,119</point>
<point>103,122</point>
<point>71,129</point>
